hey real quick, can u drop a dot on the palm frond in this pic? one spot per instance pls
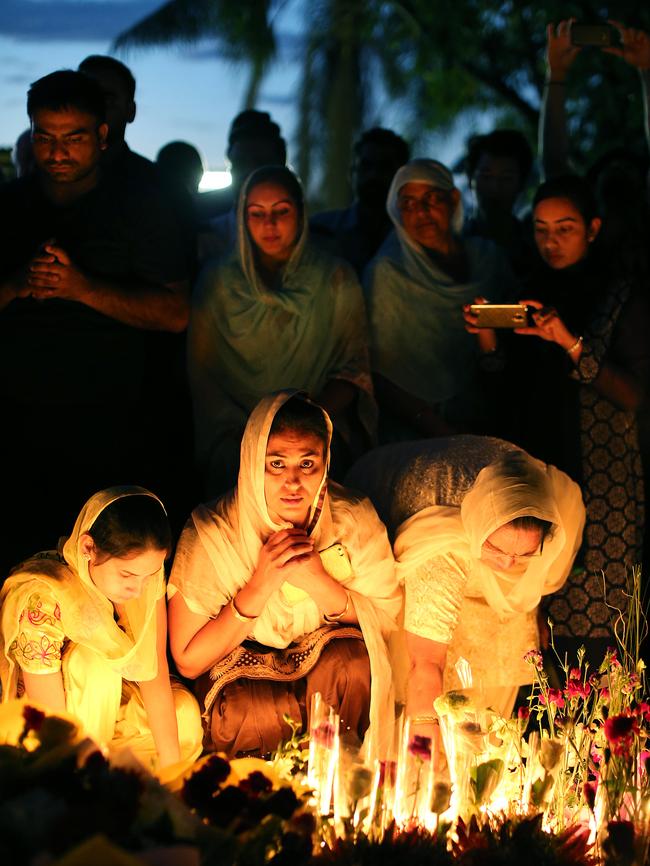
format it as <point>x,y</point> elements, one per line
<point>243,29</point>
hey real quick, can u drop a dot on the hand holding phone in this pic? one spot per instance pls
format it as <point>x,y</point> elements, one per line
<point>594,35</point>
<point>499,315</point>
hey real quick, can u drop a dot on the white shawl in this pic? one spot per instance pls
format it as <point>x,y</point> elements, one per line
<point>232,531</point>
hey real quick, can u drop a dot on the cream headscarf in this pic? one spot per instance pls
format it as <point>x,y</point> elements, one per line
<point>232,532</point>
<point>513,486</point>
<point>87,616</point>
<point>418,336</point>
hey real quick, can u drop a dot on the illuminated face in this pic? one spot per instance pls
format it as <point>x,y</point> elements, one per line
<point>67,144</point>
<point>561,234</point>
<point>511,546</point>
<point>496,182</point>
<point>293,471</point>
<point>272,220</point>
<point>426,214</point>
<point>119,578</point>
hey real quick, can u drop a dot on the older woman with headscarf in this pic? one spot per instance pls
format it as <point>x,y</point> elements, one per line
<point>482,532</point>
<point>83,629</point>
<point>283,588</point>
<point>424,366</point>
<point>277,313</point>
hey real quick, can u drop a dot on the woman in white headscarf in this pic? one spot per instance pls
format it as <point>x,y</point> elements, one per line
<point>482,532</point>
<point>276,313</point>
<point>83,629</point>
<point>425,368</point>
<point>285,587</point>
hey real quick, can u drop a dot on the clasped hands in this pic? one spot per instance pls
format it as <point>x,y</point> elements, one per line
<point>290,555</point>
<point>53,274</point>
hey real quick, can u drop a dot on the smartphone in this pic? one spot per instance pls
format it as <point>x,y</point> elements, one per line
<point>500,315</point>
<point>594,35</point>
<point>336,562</point>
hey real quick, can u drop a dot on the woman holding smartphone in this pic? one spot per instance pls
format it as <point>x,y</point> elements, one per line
<point>573,382</point>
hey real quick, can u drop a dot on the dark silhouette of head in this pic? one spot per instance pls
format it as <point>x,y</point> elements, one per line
<point>498,166</point>
<point>254,141</point>
<point>118,85</point>
<point>180,166</point>
<point>378,153</point>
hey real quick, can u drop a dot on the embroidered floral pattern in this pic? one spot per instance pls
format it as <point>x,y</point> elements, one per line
<point>38,615</point>
<point>45,651</point>
<point>39,644</point>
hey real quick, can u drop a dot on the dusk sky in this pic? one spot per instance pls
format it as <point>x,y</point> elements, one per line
<point>183,92</point>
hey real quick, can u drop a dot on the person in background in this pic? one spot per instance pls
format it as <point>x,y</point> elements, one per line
<point>83,629</point>
<point>180,166</point>
<point>277,313</point>
<point>253,142</point>
<point>22,155</point>
<point>118,86</point>
<point>425,369</point>
<point>619,177</point>
<point>498,167</point>
<point>356,232</point>
<point>283,588</point>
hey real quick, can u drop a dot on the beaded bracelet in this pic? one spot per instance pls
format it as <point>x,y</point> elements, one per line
<point>430,720</point>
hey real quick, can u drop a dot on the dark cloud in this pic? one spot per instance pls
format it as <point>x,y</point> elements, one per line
<point>60,20</point>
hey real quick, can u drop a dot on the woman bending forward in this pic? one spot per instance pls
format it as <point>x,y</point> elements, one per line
<point>84,630</point>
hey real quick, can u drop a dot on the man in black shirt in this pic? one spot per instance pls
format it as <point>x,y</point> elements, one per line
<point>88,270</point>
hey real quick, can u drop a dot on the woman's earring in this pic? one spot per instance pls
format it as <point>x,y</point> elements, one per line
<point>86,556</point>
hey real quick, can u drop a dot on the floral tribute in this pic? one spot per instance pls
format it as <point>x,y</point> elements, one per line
<point>564,782</point>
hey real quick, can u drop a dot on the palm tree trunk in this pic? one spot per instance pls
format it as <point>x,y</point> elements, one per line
<point>254,83</point>
<point>344,104</point>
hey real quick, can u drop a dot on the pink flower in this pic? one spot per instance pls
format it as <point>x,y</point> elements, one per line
<point>523,714</point>
<point>324,734</point>
<point>620,731</point>
<point>534,657</point>
<point>575,674</point>
<point>644,761</point>
<point>554,697</point>
<point>643,711</point>
<point>596,757</point>
<point>420,747</point>
<point>577,689</point>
